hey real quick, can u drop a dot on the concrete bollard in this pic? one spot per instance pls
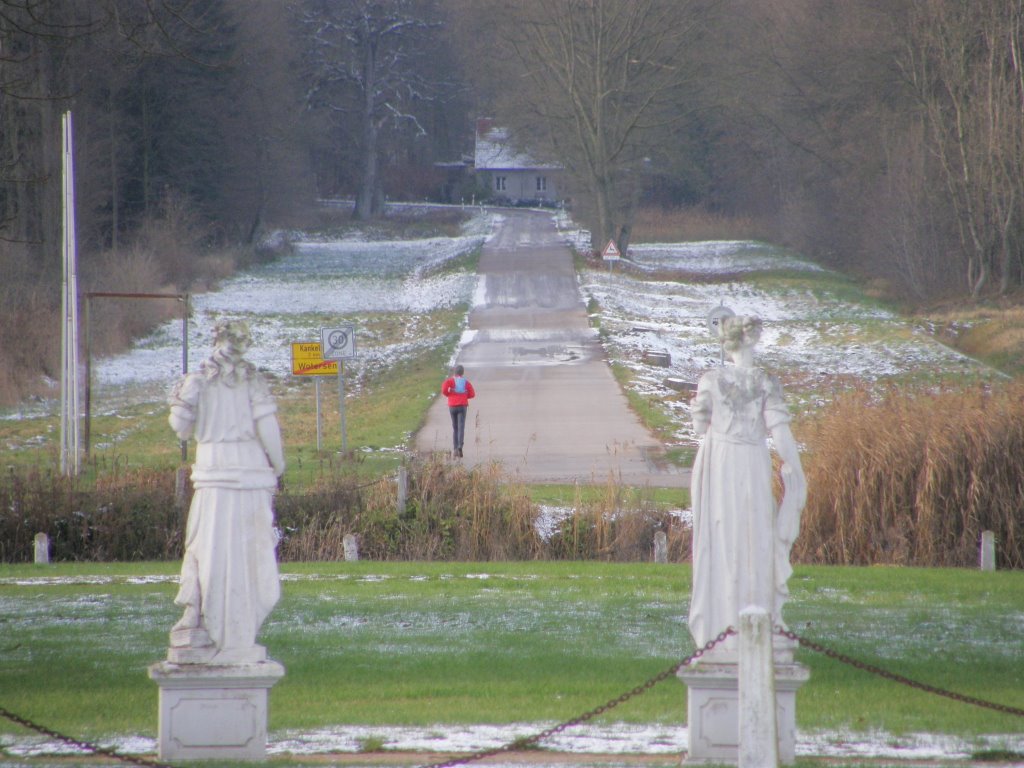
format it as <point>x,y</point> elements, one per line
<point>42,549</point>
<point>351,546</point>
<point>988,550</point>
<point>759,739</point>
<point>660,547</point>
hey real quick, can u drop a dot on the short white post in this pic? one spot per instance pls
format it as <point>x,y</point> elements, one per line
<point>42,549</point>
<point>988,550</point>
<point>759,741</point>
<point>660,547</point>
<point>403,489</point>
<point>351,546</point>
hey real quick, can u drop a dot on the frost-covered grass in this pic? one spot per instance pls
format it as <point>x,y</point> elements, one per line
<point>450,656</point>
<point>822,334</point>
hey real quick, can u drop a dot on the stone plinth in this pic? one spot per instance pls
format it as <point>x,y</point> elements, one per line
<point>712,711</point>
<point>214,712</point>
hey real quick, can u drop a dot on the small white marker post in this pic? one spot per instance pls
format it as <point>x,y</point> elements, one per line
<point>988,550</point>
<point>759,740</point>
<point>41,545</point>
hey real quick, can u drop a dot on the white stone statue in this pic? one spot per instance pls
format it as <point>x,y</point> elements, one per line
<point>741,542</point>
<point>229,577</point>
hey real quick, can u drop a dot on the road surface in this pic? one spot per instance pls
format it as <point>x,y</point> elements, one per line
<point>547,406</point>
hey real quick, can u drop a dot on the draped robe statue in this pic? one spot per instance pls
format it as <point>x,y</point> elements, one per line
<point>741,540</point>
<point>229,577</point>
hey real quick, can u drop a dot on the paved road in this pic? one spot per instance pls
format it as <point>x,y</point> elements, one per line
<point>547,406</point>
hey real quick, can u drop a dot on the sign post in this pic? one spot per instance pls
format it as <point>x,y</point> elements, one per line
<point>308,361</point>
<point>611,254</point>
<point>339,344</point>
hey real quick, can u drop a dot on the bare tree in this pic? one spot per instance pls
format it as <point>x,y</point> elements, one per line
<point>599,84</point>
<point>965,66</point>
<point>368,60</point>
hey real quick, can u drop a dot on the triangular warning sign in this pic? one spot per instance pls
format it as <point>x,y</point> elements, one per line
<point>611,251</point>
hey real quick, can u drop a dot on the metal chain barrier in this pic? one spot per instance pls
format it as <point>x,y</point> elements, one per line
<point>85,746</point>
<point>529,741</point>
<point>897,678</point>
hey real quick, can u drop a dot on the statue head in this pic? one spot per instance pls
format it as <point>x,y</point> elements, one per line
<point>232,338</point>
<point>740,332</point>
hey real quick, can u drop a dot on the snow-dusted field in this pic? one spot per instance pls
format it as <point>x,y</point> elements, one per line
<point>290,300</point>
<point>817,341</point>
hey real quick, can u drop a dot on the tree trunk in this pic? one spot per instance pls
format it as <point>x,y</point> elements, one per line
<point>364,198</point>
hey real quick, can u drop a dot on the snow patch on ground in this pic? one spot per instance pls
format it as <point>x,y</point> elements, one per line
<point>606,739</point>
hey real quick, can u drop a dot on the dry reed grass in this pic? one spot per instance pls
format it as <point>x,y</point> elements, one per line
<point>915,478</point>
<point>674,225</point>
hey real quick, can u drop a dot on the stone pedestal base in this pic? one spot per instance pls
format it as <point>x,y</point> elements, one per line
<point>712,711</point>
<point>214,712</point>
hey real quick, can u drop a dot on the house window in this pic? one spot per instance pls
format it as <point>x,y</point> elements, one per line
<point>499,183</point>
<point>542,183</point>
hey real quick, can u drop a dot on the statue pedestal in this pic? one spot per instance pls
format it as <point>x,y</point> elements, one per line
<point>713,709</point>
<point>214,711</point>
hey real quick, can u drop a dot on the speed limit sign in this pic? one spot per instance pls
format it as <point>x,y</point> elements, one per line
<point>338,343</point>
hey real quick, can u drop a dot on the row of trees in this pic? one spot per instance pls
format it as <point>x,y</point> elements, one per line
<point>885,138</point>
<point>882,137</point>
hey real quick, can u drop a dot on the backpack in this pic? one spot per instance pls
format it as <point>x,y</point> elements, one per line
<point>460,385</point>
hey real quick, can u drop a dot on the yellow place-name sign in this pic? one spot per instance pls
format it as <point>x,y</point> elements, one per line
<point>307,360</point>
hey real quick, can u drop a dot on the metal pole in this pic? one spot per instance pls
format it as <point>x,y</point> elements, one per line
<point>70,456</point>
<point>87,426</point>
<point>319,431</point>
<point>341,405</point>
<point>184,361</point>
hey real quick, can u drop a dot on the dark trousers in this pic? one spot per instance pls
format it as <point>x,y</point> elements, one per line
<point>458,413</point>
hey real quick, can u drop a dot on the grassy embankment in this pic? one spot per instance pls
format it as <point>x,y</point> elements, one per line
<point>989,330</point>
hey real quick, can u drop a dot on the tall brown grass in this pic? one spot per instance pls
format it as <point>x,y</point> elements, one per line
<point>915,478</point>
<point>673,225</point>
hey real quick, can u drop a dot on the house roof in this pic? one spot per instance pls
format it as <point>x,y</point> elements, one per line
<point>494,150</point>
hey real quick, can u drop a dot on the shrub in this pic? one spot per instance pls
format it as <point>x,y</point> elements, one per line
<point>129,516</point>
<point>451,513</point>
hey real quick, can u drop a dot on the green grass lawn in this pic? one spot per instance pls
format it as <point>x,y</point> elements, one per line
<point>432,643</point>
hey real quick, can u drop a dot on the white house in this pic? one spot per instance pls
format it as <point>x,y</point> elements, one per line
<point>512,175</point>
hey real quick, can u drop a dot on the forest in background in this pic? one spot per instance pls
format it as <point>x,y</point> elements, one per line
<point>883,138</point>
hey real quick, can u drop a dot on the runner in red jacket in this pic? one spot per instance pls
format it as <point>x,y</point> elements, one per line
<point>459,392</point>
